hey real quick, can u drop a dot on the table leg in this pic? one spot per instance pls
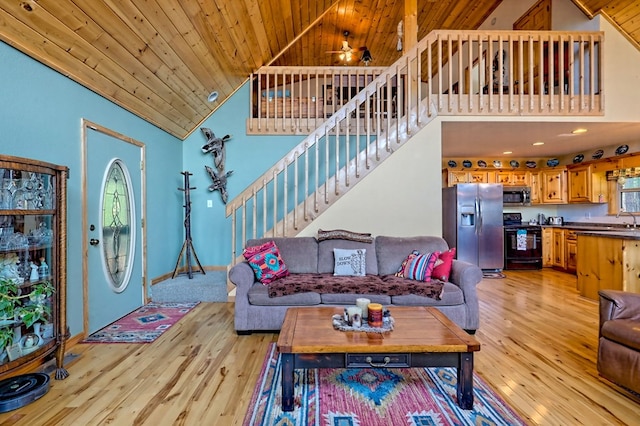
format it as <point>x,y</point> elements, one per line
<point>287,382</point>
<point>465,381</point>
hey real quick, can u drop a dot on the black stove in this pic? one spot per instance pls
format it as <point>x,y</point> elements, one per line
<point>514,220</point>
<point>522,243</point>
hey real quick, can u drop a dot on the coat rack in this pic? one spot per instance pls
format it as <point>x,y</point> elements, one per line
<point>187,246</point>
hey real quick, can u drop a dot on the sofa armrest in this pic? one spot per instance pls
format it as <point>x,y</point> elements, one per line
<point>615,304</point>
<point>242,276</point>
<point>466,276</point>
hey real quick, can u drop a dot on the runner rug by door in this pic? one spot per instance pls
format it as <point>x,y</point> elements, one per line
<point>144,325</point>
<point>372,397</point>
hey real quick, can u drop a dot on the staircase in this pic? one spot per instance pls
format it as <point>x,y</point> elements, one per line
<point>446,73</point>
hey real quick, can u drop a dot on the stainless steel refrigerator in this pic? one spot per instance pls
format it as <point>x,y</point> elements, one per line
<point>472,223</point>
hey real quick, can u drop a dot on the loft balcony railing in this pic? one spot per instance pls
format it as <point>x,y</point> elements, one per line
<point>355,118</point>
<point>467,73</point>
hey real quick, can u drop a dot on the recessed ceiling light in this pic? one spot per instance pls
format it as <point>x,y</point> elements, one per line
<point>508,152</point>
<point>579,131</point>
<point>538,143</point>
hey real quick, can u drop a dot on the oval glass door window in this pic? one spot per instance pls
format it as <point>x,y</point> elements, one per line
<point>116,223</point>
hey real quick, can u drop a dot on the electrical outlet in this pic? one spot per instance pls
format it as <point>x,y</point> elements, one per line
<point>209,203</point>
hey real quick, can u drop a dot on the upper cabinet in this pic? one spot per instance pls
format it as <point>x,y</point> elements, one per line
<point>452,177</point>
<point>553,186</point>
<point>585,186</point>
<point>534,180</point>
<point>518,178</point>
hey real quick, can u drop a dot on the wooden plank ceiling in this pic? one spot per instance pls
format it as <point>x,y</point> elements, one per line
<point>160,59</point>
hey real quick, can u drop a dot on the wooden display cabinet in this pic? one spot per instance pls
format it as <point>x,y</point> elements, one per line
<point>32,258</point>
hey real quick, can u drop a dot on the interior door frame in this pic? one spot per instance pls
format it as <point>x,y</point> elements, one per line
<point>85,128</point>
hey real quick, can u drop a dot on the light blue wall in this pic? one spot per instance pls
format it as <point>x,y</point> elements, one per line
<point>248,156</point>
<point>40,118</point>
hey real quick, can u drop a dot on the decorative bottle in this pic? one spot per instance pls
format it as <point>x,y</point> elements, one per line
<point>43,270</point>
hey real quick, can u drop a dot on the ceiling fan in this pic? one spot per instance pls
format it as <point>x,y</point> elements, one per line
<point>348,53</point>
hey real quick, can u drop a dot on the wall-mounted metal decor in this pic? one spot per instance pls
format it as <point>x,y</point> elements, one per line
<point>215,147</point>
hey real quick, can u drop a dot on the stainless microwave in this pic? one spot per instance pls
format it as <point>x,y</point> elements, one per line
<point>516,196</point>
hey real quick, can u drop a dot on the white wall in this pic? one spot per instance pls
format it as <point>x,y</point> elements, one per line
<point>401,197</point>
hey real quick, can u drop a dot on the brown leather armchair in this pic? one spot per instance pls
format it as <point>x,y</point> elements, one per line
<point>619,338</point>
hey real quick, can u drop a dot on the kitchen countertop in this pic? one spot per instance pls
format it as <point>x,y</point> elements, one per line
<point>601,230</point>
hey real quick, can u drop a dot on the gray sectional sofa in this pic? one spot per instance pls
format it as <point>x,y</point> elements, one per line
<point>310,260</point>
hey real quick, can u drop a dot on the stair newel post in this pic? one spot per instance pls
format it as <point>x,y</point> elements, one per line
<point>187,246</point>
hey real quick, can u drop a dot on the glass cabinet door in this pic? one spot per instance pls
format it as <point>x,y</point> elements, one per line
<point>30,316</point>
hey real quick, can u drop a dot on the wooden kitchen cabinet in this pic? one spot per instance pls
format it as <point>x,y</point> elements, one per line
<point>453,177</point>
<point>559,259</point>
<point>547,247</point>
<point>510,177</point>
<point>534,182</point>
<point>585,186</point>
<point>553,185</point>
<point>607,263</point>
<point>571,250</point>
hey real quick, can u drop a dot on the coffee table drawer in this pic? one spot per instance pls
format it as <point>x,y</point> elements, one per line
<point>378,360</point>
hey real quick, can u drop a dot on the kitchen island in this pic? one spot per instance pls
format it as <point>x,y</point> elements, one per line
<point>608,259</point>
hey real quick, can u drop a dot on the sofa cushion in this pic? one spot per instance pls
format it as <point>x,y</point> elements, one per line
<point>259,295</point>
<point>623,331</point>
<point>451,296</point>
<point>391,251</point>
<point>326,259</point>
<point>266,262</point>
<point>350,262</point>
<point>300,254</point>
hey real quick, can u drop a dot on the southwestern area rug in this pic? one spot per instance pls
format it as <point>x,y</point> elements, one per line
<point>144,325</point>
<point>373,397</point>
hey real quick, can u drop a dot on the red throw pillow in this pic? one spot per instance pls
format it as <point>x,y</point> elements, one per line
<point>266,262</point>
<point>443,270</point>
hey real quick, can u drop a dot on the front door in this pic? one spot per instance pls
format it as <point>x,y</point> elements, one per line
<point>114,261</point>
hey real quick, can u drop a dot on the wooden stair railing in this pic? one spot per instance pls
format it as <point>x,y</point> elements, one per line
<point>549,73</point>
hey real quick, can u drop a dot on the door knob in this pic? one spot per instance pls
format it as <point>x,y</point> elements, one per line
<point>94,242</point>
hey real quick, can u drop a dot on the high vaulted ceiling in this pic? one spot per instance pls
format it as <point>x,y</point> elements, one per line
<point>160,59</point>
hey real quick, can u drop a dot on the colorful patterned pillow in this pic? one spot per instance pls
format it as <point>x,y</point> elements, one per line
<point>443,270</point>
<point>418,266</point>
<point>266,262</point>
<point>349,262</point>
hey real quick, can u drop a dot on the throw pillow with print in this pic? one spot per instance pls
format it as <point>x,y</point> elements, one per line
<point>266,262</point>
<point>349,262</point>
<point>418,266</point>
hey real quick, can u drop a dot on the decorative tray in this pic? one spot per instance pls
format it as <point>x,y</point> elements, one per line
<point>340,324</point>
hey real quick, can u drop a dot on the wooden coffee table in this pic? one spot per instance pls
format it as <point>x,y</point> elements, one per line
<point>422,337</point>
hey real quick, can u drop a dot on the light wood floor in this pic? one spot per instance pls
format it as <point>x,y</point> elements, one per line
<point>538,337</point>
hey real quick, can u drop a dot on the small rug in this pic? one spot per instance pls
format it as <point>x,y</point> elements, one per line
<point>144,325</point>
<point>372,397</point>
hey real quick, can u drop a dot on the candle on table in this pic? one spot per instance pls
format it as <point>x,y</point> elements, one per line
<point>363,304</point>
